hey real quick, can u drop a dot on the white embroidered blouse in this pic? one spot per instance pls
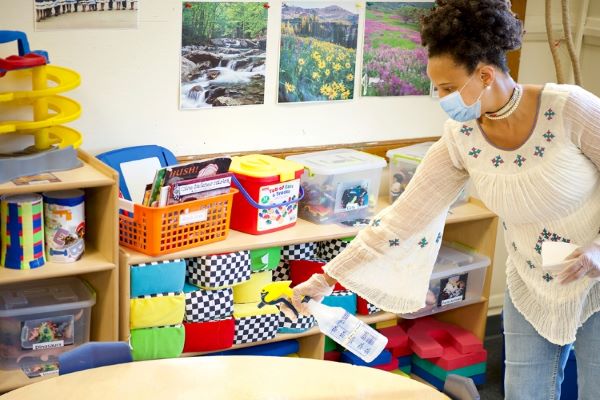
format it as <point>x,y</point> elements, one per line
<point>547,189</point>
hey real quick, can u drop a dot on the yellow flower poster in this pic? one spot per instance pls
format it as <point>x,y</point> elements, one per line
<point>318,51</point>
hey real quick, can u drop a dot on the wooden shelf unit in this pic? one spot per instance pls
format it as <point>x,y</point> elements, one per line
<point>470,224</point>
<point>98,266</point>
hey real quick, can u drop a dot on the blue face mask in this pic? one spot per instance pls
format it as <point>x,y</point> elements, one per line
<point>456,108</point>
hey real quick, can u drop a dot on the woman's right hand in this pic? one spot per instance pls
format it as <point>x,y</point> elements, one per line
<point>316,287</point>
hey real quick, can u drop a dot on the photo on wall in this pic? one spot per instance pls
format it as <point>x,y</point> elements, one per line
<point>223,54</point>
<point>318,51</point>
<point>394,61</point>
<point>85,14</point>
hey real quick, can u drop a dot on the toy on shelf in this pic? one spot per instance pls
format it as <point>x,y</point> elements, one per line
<point>54,144</point>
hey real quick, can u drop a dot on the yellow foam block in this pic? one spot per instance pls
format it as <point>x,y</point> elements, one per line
<point>400,372</point>
<point>249,291</point>
<point>252,310</point>
<point>386,324</point>
<point>156,311</point>
<point>293,355</point>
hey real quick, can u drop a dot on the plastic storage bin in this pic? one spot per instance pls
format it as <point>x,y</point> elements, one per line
<point>43,318</point>
<point>269,193</point>
<point>457,280</point>
<point>403,164</point>
<point>339,185</point>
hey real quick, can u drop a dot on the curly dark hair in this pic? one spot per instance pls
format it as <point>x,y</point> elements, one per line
<point>472,31</point>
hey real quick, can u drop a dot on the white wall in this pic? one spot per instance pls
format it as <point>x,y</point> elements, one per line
<point>130,92</point>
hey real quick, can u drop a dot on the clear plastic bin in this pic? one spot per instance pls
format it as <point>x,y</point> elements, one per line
<point>41,319</point>
<point>339,185</point>
<point>403,164</point>
<point>457,280</point>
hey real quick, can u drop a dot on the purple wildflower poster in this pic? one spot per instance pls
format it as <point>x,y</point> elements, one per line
<point>394,62</point>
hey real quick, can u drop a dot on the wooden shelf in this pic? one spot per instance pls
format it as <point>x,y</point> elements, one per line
<point>78,178</point>
<point>303,231</point>
<point>92,261</point>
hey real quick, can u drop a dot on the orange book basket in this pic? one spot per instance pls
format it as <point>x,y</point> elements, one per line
<point>162,230</point>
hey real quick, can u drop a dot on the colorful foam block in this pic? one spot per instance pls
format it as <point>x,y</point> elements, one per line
<point>392,365</point>
<point>249,291</point>
<point>384,358</point>
<point>439,384</point>
<point>475,369</point>
<point>157,277</point>
<point>453,359</point>
<point>333,355</point>
<point>302,270</point>
<point>265,259</point>
<point>208,336</point>
<point>207,304</point>
<point>330,344</point>
<point>406,369</point>
<point>219,270</point>
<point>299,251</point>
<point>427,334</point>
<point>155,343</point>
<point>282,271</point>
<point>386,324</point>
<point>277,349</point>
<point>401,373</point>
<point>344,299</point>
<point>404,361</point>
<point>156,310</point>
<point>397,339</point>
<point>253,324</point>
<point>363,307</point>
<point>329,249</point>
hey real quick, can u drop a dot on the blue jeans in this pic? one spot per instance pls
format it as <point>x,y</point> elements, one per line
<point>535,367</point>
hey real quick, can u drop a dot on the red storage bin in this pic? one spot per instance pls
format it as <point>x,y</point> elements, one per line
<point>269,193</point>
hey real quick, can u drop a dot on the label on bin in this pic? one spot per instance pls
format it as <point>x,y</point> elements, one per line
<point>195,216</point>
<point>352,196</point>
<point>41,368</point>
<point>278,193</point>
<point>453,289</point>
<point>47,333</point>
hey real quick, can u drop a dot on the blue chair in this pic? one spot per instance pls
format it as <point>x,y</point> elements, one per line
<point>93,355</point>
<point>115,158</point>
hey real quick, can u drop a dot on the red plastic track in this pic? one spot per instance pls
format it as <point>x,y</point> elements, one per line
<point>19,62</point>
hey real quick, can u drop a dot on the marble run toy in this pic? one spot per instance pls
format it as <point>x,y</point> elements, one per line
<point>54,144</point>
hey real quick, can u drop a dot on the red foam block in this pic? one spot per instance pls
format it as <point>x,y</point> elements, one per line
<point>428,337</point>
<point>332,356</point>
<point>392,365</point>
<point>453,359</point>
<point>208,336</point>
<point>302,270</point>
<point>397,340</point>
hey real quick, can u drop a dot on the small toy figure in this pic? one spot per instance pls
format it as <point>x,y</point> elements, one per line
<point>401,179</point>
<point>354,198</point>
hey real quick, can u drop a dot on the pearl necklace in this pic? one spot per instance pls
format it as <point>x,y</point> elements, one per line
<point>509,107</point>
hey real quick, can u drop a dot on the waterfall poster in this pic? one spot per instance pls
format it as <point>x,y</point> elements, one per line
<point>394,62</point>
<point>318,51</point>
<point>223,54</point>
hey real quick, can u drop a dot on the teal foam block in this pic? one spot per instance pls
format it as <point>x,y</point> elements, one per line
<point>406,369</point>
<point>344,299</point>
<point>441,373</point>
<point>157,277</point>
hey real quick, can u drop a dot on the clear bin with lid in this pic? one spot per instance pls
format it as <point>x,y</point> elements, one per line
<point>339,185</point>
<point>457,280</point>
<point>41,319</point>
<point>403,164</point>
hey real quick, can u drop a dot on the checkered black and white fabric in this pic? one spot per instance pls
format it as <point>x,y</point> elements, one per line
<point>372,309</point>
<point>220,270</point>
<point>300,251</point>
<point>204,305</point>
<point>256,328</point>
<point>149,296</point>
<point>342,293</point>
<point>303,323</point>
<point>329,249</point>
<point>281,272</point>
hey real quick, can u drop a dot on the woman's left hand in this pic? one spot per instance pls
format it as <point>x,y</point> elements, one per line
<point>587,262</point>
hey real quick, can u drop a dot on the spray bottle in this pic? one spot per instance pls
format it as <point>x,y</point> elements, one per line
<point>335,322</point>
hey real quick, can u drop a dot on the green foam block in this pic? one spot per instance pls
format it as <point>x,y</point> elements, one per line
<point>155,343</point>
<point>441,374</point>
<point>265,259</point>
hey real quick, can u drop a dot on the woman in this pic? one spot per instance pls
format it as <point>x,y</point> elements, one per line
<point>533,155</point>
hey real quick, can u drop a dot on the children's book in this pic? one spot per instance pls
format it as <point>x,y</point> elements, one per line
<point>175,173</point>
<point>198,188</point>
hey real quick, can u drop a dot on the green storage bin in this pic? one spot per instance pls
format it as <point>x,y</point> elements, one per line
<point>155,343</point>
<point>265,259</point>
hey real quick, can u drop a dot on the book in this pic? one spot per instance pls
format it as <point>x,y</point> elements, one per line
<point>175,173</point>
<point>198,188</point>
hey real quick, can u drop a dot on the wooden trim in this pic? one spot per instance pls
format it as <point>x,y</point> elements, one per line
<point>377,148</point>
<point>514,57</point>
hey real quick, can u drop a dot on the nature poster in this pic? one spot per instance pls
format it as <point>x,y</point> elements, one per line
<point>394,62</point>
<point>223,54</point>
<point>318,51</point>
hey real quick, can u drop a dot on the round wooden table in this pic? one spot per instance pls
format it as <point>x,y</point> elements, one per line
<point>229,377</point>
